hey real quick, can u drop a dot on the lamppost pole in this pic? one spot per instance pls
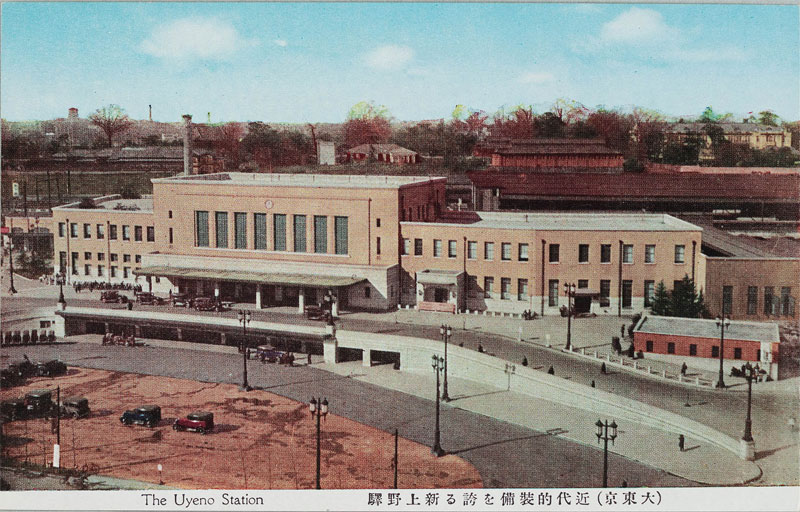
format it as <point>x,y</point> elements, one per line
<point>748,447</point>
<point>445,331</point>
<point>722,323</point>
<point>569,288</point>
<point>11,264</point>
<point>318,408</point>
<point>603,433</point>
<point>61,300</point>
<point>437,364</point>
<point>244,319</point>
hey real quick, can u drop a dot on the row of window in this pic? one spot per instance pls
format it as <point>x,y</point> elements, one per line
<point>737,351</point>
<point>783,305</point>
<point>553,289</point>
<point>87,256</point>
<point>279,225</point>
<point>100,231</point>
<point>522,253</point>
<point>113,271</point>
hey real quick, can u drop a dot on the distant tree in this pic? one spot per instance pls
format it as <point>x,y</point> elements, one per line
<point>549,124</point>
<point>229,143</point>
<point>367,123</point>
<point>660,305</point>
<point>708,116</point>
<point>516,125</point>
<point>86,203</point>
<point>768,118</point>
<point>112,119</point>
<point>581,130</point>
<point>569,111</point>
<point>128,192</point>
<point>261,142</point>
<point>613,127</point>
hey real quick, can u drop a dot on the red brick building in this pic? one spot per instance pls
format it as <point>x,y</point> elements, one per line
<point>757,342</point>
<point>557,153</point>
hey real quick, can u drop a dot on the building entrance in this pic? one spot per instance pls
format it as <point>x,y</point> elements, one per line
<point>440,294</point>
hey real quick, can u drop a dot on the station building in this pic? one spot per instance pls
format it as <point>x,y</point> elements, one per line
<point>369,242</point>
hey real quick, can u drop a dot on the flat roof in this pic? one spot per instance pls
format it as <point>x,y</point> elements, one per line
<point>700,328</point>
<point>143,205</point>
<point>300,180</point>
<point>573,221</point>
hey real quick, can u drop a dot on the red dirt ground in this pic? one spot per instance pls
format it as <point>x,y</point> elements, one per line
<point>261,440</point>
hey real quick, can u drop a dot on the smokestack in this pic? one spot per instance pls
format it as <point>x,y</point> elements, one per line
<point>209,118</point>
<point>187,144</point>
<point>150,107</point>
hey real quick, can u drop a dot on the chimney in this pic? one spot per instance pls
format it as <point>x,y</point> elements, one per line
<point>150,107</point>
<point>73,113</point>
<point>209,118</point>
<point>187,144</point>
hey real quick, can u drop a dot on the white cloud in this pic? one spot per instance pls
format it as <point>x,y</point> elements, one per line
<point>536,77</point>
<point>637,26</point>
<point>389,57</point>
<point>195,38</point>
<point>281,42</point>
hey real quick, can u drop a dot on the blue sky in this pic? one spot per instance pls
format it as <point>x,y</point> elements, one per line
<point>311,62</point>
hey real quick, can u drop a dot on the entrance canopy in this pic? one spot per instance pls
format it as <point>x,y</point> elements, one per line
<point>586,292</point>
<point>442,277</point>
<point>320,281</point>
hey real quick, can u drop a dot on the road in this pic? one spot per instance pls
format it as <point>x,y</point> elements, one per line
<point>505,455</point>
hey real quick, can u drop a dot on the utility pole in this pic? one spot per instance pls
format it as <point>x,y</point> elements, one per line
<point>11,262</point>
<point>395,457</point>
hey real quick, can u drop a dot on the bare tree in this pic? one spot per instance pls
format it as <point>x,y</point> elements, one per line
<point>112,119</point>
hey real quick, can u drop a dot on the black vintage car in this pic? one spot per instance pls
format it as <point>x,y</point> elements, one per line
<point>23,368</point>
<point>9,378</point>
<point>13,409</point>
<point>50,368</point>
<point>149,299</point>
<point>77,407</point>
<point>113,296</point>
<point>149,415</point>
<point>39,402</point>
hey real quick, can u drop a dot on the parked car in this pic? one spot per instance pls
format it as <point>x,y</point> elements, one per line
<point>13,409</point>
<point>207,304</point>
<point>316,313</point>
<point>9,378</point>
<point>50,368</point>
<point>113,296</point>
<point>149,415</point>
<point>199,421</point>
<point>23,368</point>
<point>39,402</point>
<point>181,300</point>
<point>149,299</point>
<point>76,406</point>
<point>268,353</point>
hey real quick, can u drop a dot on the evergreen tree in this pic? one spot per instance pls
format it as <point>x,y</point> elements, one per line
<point>685,301</point>
<point>660,305</point>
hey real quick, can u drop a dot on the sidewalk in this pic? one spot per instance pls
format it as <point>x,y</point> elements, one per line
<point>699,462</point>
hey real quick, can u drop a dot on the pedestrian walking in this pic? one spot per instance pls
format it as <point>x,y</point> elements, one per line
<point>681,442</point>
<point>551,371</point>
<point>524,361</point>
<point>480,348</point>
<point>624,483</point>
<point>309,358</point>
<point>592,383</point>
<point>622,332</point>
<point>683,369</point>
<point>603,369</point>
<point>791,424</point>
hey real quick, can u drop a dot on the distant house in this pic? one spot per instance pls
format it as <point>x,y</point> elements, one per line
<point>550,153</point>
<point>390,153</point>
<point>757,136</point>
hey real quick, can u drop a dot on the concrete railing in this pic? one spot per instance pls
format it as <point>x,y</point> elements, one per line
<point>637,366</point>
<point>415,356</point>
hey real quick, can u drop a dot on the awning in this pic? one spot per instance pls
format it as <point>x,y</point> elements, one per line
<point>434,276</point>
<point>586,292</point>
<point>251,277</point>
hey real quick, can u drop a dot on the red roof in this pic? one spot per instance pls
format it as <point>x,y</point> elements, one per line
<point>627,185</point>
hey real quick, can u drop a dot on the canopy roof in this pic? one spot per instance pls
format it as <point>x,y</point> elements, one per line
<point>250,277</point>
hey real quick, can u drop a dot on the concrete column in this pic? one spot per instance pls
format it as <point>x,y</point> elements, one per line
<point>137,330</point>
<point>222,338</point>
<point>258,296</point>
<point>366,358</point>
<point>106,326</point>
<point>237,291</point>
<point>330,348</point>
<point>180,333</point>
<point>301,300</point>
<point>216,290</point>
<point>335,306</point>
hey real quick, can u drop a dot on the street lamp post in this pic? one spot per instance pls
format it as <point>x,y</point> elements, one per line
<point>569,289</point>
<point>445,331</point>
<point>11,264</point>
<point>603,433</point>
<point>722,323</point>
<point>510,370</point>
<point>60,278</point>
<point>244,319</point>
<point>747,443</point>
<point>318,408</point>
<point>438,366</point>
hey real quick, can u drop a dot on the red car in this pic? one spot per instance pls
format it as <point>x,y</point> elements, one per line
<point>199,421</point>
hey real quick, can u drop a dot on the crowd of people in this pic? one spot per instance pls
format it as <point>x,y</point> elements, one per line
<point>92,285</point>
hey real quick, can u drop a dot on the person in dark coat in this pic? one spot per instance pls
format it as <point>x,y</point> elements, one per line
<point>681,442</point>
<point>683,369</point>
<point>551,371</point>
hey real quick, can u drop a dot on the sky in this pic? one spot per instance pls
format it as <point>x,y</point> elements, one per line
<point>294,62</point>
